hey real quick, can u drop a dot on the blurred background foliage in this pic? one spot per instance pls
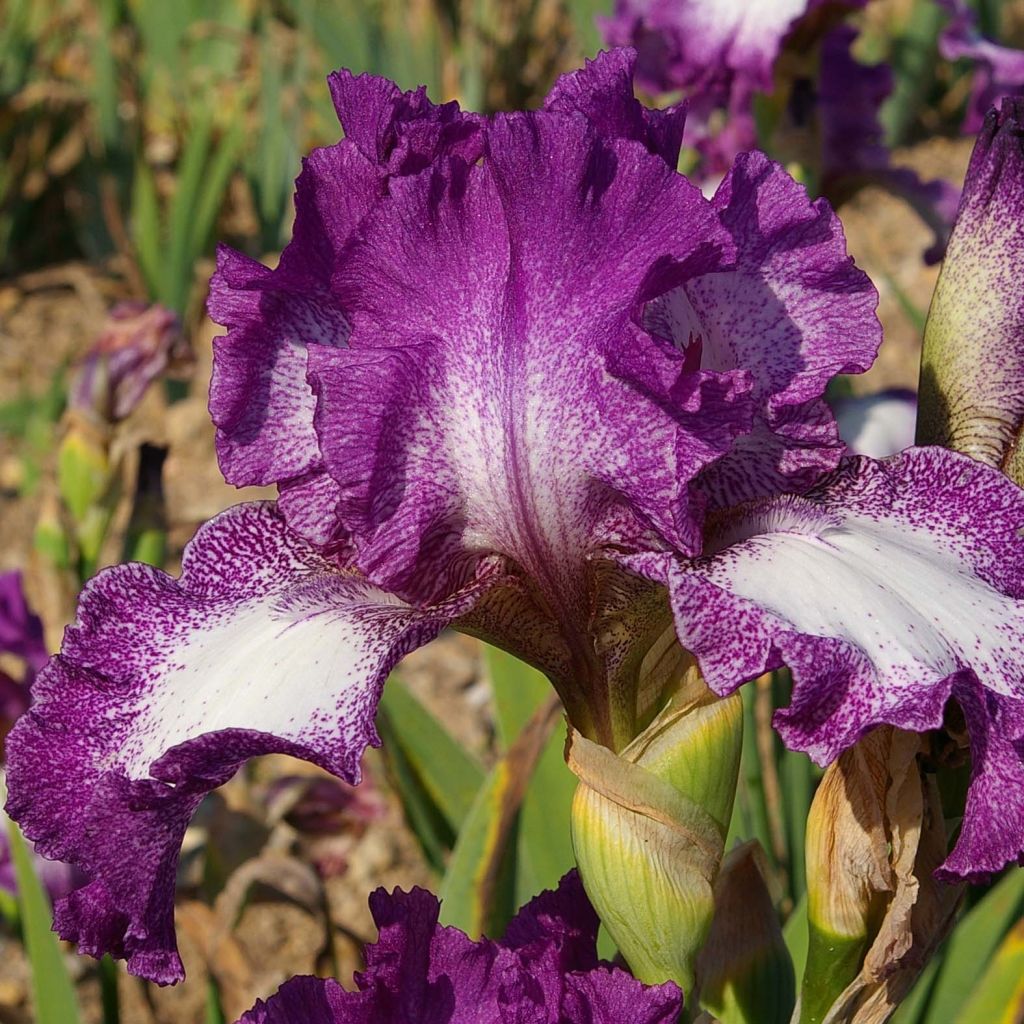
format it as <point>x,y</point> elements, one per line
<point>131,128</point>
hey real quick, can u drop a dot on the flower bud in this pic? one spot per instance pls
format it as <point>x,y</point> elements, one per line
<point>138,343</point>
<point>649,826</point>
<point>972,366</point>
<point>745,971</point>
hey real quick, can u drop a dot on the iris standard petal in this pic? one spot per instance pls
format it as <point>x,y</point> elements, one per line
<point>794,312</point>
<point>888,589</point>
<point>260,400</point>
<point>164,687</point>
<point>602,91</point>
<point>545,971</point>
<point>496,394</point>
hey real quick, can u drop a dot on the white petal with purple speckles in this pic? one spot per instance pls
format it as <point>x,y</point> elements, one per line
<point>887,589</point>
<point>164,687</point>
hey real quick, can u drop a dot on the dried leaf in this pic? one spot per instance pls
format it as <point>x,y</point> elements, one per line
<point>874,837</point>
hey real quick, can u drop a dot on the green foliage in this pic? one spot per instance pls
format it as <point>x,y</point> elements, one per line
<point>53,995</point>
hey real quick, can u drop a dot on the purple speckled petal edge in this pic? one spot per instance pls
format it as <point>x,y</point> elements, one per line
<point>164,687</point>
<point>890,588</point>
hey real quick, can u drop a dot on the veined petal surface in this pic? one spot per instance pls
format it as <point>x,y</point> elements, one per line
<point>164,687</point>
<point>260,400</point>
<point>545,971</point>
<point>794,311</point>
<point>888,589</point>
<point>496,394</point>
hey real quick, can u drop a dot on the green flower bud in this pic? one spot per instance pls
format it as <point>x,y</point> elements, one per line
<point>649,826</point>
<point>972,366</point>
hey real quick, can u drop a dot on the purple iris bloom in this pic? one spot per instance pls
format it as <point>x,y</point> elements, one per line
<point>546,970</point>
<point>720,53</point>
<point>853,150</point>
<point>21,635</point>
<point>518,376</point>
<point>999,70</point>
<point>139,343</point>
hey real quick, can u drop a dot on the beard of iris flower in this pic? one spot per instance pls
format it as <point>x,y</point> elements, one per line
<point>517,376</point>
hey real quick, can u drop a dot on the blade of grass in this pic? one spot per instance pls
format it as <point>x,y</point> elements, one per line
<point>998,998</point>
<point>53,995</point>
<point>545,845</point>
<point>145,230</point>
<point>180,223</point>
<point>450,775</point>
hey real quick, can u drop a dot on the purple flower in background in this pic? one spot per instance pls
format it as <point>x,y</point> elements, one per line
<point>21,630</point>
<point>720,53</point>
<point>999,70</point>
<point>137,345</point>
<point>545,970</point>
<point>517,376</point>
<point>854,154</point>
<point>21,636</point>
<point>877,425</point>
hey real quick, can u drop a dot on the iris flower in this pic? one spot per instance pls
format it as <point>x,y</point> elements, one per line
<point>517,376</point>
<point>721,53</point>
<point>545,970</point>
<point>999,70</point>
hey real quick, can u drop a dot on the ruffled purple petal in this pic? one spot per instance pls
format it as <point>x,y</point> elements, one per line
<point>602,91</point>
<point>795,311</point>
<point>999,70</point>
<point>306,1000</point>
<point>877,425</point>
<point>402,132</point>
<point>164,687</point>
<point>546,971</point>
<point>260,400</point>
<point>888,589</point>
<point>854,154</point>
<point>496,394</point>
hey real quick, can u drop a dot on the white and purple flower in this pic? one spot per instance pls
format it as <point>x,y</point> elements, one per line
<point>998,72</point>
<point>546,969</point>
<point>518,376</point>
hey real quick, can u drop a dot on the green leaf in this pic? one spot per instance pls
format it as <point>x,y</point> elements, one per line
<point>450,775</point>
<point>911,1010</point>
<point>999,997</point>
<point>53,995</point>
<point>190,178</point>
<point>428,824</point>
<point>545,843</point>
<point>145,230</point>
<point>795,934</point>
<point>973,942</point>
<point>470,900</point>
<point>584,13</point>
